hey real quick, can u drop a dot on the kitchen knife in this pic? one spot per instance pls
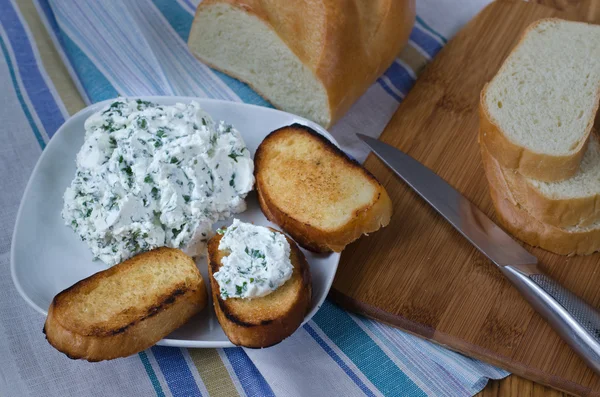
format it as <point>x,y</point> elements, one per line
<point>575,321</point>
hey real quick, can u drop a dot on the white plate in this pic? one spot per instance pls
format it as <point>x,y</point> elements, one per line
<point>47,256</point>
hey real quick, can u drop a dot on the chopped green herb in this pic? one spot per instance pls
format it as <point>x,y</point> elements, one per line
<point>234,156</point>
<point>155,193</point>
<point>148,179</point>
<point>232,181</point>
<point>174,160</point>
<point>113,142</point>
<point>142,123</point>
<point>176,232</point>
<point>186,198</point>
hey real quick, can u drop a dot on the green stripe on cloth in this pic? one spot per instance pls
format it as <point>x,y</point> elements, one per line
<point>151,374</point>
<point>213,372</point>
<point>431,30</point>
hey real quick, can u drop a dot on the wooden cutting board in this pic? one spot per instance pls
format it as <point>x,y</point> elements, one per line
<point>421,275</point>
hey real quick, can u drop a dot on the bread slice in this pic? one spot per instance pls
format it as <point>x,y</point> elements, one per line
<point>302,56</point>
<point>265,321</point>
<point>127,308</point>
<point>572,202</point>
<point>537,113</point>
<point>522,225</point>
<point>316,193</point>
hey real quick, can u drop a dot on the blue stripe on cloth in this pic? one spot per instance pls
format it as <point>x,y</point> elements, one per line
<point>97,87</point>
<point>425,41</point>
<point>338,360</point>
<point>387,89</point>
<point>38,92</point>
<point>13,77</point>
<point>431,30</point>
<point>181,21</point>
<point>354,342</point>
<point>252,381</point>
<point>176,371</point>
<point>400,77</point>
<point>151,374</point>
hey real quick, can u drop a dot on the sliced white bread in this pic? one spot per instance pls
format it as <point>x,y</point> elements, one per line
<point>314,58</point>
<point>521,224</point>
<point>538,111</point>
<point>572,202</point>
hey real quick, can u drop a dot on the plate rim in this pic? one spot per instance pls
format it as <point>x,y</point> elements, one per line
<point>184,99</point>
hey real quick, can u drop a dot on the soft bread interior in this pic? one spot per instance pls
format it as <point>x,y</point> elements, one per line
<point>585,183</point>
<point>546,94</point>
<point>242,45</point>
<point>305,178</point>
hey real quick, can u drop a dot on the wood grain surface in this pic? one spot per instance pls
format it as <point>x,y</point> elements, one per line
<point>589,11</point>
<point>421,275</point>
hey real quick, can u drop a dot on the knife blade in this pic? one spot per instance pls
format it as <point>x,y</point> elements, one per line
<point>572,318</point>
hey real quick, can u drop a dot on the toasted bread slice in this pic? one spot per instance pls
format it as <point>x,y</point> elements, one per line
<point>127,308</point>
<point>525,227</point>
<point>265,321</point>
<point>315,192</point>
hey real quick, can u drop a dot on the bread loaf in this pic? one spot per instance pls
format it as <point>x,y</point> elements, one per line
<point>314,58</point>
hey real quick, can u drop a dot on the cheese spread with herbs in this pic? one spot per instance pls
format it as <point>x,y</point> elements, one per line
<point>258,262</point>
<point>150,176</point>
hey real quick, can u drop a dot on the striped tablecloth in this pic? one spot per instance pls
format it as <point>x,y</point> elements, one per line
<point>57,56</point>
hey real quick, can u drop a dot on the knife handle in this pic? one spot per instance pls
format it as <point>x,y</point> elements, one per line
<point>575,321</point>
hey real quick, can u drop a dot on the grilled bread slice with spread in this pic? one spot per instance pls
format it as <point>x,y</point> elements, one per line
<point>261,284</point>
